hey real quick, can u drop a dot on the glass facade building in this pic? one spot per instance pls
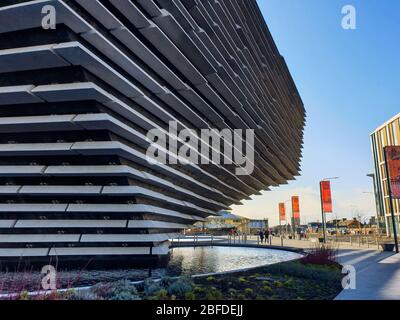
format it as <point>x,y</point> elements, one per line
<point>387,134</point>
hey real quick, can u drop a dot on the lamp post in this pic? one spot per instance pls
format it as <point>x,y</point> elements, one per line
<point>377,215</point>
<point>291,218</point>
<point>376,195</point>
<point>322,207</point>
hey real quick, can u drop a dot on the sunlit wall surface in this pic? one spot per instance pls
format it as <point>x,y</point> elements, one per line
<point>77,101</point>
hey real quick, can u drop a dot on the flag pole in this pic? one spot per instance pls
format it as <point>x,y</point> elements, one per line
<point>322,211</point>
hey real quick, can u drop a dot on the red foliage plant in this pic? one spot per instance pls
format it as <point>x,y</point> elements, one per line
<point>321,255</point>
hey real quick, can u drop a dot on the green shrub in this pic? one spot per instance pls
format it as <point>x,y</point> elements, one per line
<point>165,282</point>
<point>248,291</point>
<point>232,292</point>
<point>162,294</point>
<point>198,289</point>
<point>190,296</point>
<point>267,289</point>
<point>24,295</point>
<point>242,280</point>
<point>119,290</point>
<point>150,287</point>
<point>289,283</point>
<point>241,297</point>
<point>210,278</point>
<point>213,294</point>
<point>180,286</point>
<point>328,275</point>
<point>278,284</point>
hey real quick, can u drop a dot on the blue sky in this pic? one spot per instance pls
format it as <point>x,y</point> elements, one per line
<point>349,81</point>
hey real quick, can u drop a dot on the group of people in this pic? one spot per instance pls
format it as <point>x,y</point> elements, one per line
<point>264,235</point>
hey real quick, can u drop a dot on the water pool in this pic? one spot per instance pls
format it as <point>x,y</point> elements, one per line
<point>182,261</point>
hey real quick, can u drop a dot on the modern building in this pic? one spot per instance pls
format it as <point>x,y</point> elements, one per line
<point>224,222</point>
<point>257,225</point>
<point>387,134</point>
<point>78,98</point>
<point>346,224</point>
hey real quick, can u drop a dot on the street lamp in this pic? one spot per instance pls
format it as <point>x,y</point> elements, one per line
<point>322,207</point>
<point>375,193</point>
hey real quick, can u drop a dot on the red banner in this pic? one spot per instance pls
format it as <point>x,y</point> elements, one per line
<point>326,196</point>
<point>296,207</point>
<point>282,211</point>
<point>393,160</point>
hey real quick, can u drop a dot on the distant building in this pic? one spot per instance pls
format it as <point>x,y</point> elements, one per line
<point>387,134</point>
<point>345,223</point>
<point>224,222</point>
<point>257,225</point>
<point>315,227</point>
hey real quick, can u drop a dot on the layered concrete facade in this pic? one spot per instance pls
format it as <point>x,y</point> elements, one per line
<point>77,101</point>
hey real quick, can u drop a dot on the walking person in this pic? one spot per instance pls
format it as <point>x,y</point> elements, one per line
<point>266,235</point>
<point>261,235</point>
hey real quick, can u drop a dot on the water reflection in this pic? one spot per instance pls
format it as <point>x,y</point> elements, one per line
<point>219,259</point>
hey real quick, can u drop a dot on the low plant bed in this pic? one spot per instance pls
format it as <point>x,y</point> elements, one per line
<point>317,276</point>
<point>285,281</point>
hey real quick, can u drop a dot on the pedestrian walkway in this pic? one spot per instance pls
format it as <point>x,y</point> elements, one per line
<point>377,275</point>
<point>307,244</point>
<point>377,272</point>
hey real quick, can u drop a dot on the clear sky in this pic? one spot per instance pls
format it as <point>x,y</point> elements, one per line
<point>349,81</point>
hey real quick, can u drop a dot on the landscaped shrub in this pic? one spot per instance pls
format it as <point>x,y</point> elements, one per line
<point>289,283</point>
<point>232,292</point>
<point>213,294</point>
<point>161,295</point>
<point>150,287</point>
<point>198,289</point>
<point>24,295</point>
<point>311,272</point>
<point>321,254</point>
<point>180,286</point>
<point>267,289</point>
<point>242,280</point>
<point>190,296</point>
<point>248,291</point>
<point>165,282</point>
<point>120,290</point>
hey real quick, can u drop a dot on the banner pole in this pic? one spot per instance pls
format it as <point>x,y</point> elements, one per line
<point>322,212</point>
<point>280,225</point>
<point>389,187</point>
<point>292,218</point>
